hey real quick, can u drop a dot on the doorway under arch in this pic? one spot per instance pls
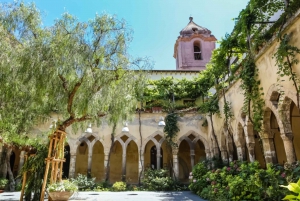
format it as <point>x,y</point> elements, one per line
<point>66,164</point>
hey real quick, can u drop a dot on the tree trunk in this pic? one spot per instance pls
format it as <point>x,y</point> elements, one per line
<point>9,172</point>
<point>5,169</point>
<point>3,163</point>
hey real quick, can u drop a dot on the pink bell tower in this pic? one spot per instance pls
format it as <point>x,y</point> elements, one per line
<point>193,48</point>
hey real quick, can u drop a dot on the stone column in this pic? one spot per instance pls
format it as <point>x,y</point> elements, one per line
<point>158,156</point>
<point>124,165</point>
<point>106,153</point>
<point>269,150</point>
<point>289,147</point>
<point>141,165</point>
<point>251,151</point>
<point>208,154</point>
<point>89,168</point>
<point>230,151</point>
<point>72,165</point>
<point>240,152</point>
<point>216,151</point>
<point>1,147</point>
<point>192,158</point>
<point>175,163</point>
<point>224,155</point>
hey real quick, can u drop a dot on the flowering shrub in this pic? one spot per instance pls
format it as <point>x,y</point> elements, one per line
<point>242,181</point>
<point>119,186</point>
<point>65,185</point>
<point>159,180</point>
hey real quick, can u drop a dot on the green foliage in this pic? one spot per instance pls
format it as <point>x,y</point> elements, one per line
<point>242,181</point>
<point>35,166</point>
<point>253,101</point>
<point>70,68</point>
<point>211,106</point>
<point>295,189</point>
<point>83,182</point>
<point>159,180</point>
<point>285,60</point>
<point>119,186</point>
<point>227,111</point>
<point>3,183</point>
<point>64,185</point>
<point>171,128</point>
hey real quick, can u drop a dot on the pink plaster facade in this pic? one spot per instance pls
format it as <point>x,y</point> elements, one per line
<point>193,35</point>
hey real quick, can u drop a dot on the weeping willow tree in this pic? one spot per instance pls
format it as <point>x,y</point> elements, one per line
<point>81,70</point>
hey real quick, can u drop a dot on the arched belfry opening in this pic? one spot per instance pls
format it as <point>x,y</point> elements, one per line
<point>197,51</point>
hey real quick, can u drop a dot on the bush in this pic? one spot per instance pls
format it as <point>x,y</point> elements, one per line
<point>159,180</point>
<point>119,186</point>
<point>64,185</point>
<point>84,182</point>
<point>242,181</point>
<point>103,186</point>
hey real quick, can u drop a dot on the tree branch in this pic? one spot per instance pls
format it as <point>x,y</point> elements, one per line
<point>65,82</point>
<point>71,97</point>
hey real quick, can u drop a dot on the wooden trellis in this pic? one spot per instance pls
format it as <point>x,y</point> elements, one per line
<point>55,159</point>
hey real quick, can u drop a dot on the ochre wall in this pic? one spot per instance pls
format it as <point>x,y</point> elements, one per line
<point>97,169</point>
<point>82,159</point>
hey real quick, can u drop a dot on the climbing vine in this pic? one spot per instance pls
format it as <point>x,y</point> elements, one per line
<point>253,101</point>
<point>171,128</point>
<point>285,60</point>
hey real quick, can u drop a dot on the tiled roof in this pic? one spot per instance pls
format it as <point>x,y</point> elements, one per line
<point>192,27</point>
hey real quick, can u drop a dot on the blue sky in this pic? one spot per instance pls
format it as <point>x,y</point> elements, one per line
<point>156,23</point>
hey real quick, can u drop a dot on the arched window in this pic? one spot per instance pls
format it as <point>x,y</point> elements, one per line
<point>197,51</point>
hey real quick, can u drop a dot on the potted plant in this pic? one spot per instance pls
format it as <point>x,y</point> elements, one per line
<point>62,190</point>
<point>3,183</point>
<point>157,106</point>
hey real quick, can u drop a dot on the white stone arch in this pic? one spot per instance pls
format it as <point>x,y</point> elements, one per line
<point>84,139</point>
<point>152,138</point>
<point>192,143</point>
<point>124,144</point>
<point>272,104</point>
<point>73,146</point>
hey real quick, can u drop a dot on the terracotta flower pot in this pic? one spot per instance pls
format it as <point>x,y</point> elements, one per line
<point>62,196</point>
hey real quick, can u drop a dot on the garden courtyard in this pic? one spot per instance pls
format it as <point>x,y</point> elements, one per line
<point>83,119</point>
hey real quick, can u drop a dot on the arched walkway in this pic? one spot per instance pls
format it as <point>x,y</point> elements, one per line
<point>115,173</point>
<point>66,164</point>
<point>295,119</point>
<point>82,159</point>
<point>132,163</point>
<point>97,167</point>
<point>281,155</point>
<point>184,158</point>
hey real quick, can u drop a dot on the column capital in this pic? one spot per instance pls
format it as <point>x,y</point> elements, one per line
<point>174,151</point>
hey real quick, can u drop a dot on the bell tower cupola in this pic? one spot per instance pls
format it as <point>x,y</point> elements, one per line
<point>193,48</point>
